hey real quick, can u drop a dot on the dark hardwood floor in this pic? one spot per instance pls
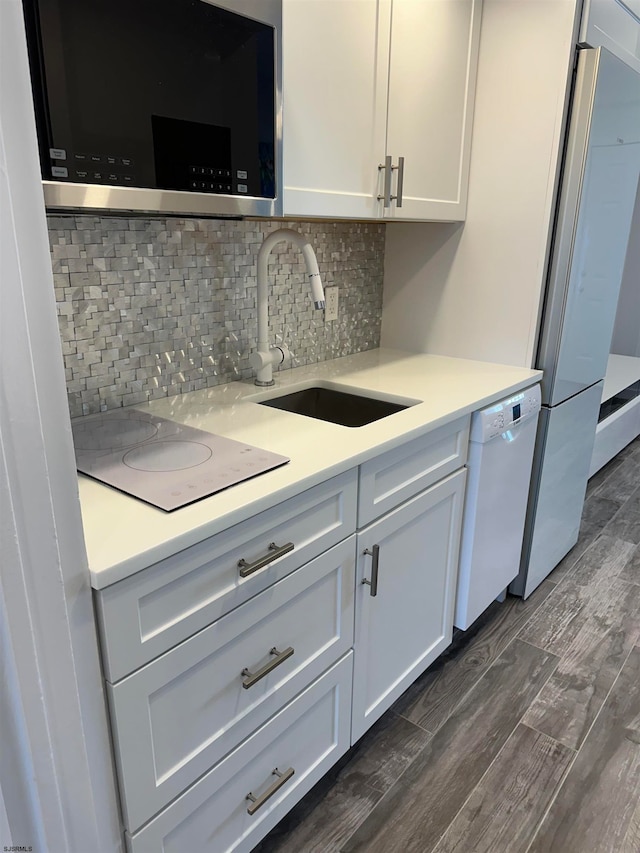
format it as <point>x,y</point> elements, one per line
<point>524,737</point>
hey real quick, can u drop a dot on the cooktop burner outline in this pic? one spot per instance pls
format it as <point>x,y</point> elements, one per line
<point>189,454</point>
<point>148,469</point>
<point>115,433</point>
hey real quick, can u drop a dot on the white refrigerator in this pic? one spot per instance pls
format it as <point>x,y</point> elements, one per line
<point>599,183</point>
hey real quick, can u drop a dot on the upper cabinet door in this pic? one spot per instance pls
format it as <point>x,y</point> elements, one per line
<point>432,75</point>
<point>367,82</point>
<point>335,57</point>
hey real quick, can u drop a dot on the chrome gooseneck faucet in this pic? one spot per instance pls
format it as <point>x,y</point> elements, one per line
<point>263,359</point>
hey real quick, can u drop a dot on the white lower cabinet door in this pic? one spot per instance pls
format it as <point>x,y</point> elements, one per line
<point>234,805</point>
<point>178,716</point>
<point>405,594</point>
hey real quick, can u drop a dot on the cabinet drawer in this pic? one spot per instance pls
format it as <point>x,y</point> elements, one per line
<point>145,615</point>
<point>181,714</point>
<point>308,736</point>
<point>396,476</point>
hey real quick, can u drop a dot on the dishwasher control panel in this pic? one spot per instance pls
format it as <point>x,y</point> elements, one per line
<point>505,415</point>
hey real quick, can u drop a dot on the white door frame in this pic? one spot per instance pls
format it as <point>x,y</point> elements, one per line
<point>57,786</point>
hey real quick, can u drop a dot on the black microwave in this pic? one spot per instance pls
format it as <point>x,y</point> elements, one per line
<point>158,105</point>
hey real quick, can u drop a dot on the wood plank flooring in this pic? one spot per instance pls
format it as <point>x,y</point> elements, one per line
<point>524,737</point>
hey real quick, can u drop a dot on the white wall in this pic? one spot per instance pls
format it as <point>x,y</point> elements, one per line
<point>56,779</point>
<point>474,291</point>
<point>614,25</point>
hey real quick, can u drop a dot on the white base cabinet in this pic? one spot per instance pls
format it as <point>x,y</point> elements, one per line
<point>182,713</point>
<point>152,611</point>
<point>238,674</point>
<point>405,595</point>
<point>308,736</point>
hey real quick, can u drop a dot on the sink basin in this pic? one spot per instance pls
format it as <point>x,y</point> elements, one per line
<point>337,407</point>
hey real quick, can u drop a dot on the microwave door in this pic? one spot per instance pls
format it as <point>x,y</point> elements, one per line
<point>181,99</point>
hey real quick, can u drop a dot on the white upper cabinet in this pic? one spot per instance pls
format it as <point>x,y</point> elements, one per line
<point>334,112</point>
<point>432,77</point>
<point>378,100</point>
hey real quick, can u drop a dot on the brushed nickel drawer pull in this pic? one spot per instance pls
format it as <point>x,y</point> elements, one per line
<point>373,583</point>
<point>253,677</point>
<point>276,551</point>
<point>387,167</point>
<point>399,186</point>
<point>262,799</point>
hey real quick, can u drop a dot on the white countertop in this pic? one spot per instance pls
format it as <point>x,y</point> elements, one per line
<point>124,535</point>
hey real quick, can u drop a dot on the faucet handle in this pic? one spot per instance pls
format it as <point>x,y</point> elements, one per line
<point>262,362</point>
<point>286,353</point>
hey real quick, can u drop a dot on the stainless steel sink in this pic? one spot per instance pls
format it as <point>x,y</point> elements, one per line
<point>337,407</point>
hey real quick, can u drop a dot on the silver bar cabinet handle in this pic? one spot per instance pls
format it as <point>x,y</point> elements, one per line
<point>275,551</point>
<point>252,678</point>
<point>388,173</point>
<point>400,168</point>
<point>262,799</point>
<point>373,583</point>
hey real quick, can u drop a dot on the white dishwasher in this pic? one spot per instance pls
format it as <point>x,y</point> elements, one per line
<point>501,446</point>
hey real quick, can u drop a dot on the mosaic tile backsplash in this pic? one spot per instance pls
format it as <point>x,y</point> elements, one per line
<point>154,307</point>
